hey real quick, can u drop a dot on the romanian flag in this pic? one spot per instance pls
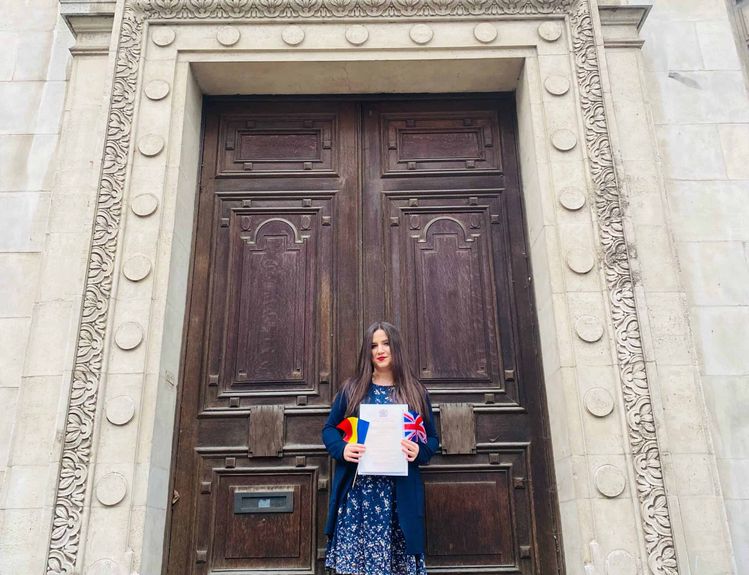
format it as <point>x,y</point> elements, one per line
<point>354,429</point>
<point>413,427</point>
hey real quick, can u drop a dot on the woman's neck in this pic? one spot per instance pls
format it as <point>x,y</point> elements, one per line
<point>381,377</point>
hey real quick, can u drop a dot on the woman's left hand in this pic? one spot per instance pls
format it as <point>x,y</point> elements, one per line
<point>410,448</point>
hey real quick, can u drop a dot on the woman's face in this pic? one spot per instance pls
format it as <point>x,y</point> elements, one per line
<point>381,358</point>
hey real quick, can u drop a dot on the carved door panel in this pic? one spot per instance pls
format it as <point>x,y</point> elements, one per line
<point>443,221</point>
<point>315,218</point>
<point>272,321</point>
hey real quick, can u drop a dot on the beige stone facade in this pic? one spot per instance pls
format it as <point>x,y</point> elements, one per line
<point>634,137</point>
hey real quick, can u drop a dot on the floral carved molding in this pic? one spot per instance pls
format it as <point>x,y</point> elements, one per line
<point>261,9</point>
<point>73,476</point>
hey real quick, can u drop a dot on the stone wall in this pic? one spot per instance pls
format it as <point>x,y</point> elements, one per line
<point>34,69</point>
<point>700,114</point>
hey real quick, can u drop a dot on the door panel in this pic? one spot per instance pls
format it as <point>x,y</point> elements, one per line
<point>443,213</point>
<point>486,517</point>
<point>444,288</point>
<point>278,145</point>
<point>271,297</point>
<point>315,218</point>
<point>279,191</point>
<point>440,142</point>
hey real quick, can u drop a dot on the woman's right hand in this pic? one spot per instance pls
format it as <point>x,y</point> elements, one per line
<point>353,452</point>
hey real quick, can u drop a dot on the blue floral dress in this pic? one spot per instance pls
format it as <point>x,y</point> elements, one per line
<point>367,538</point>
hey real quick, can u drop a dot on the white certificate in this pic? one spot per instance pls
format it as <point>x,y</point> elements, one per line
<point>383,441</point>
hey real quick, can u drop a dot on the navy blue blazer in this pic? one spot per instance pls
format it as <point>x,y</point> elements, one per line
<point>409,490</point>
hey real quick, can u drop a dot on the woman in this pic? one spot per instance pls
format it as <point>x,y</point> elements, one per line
<point>376,527</point>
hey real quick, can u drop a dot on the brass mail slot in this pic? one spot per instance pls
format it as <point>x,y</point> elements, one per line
<point>263,502</point>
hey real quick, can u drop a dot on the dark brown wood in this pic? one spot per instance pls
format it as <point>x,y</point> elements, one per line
<point>266,430</point>
<point>457,429</point>
<point>316,217</point>
<point>479,503</point>
<point>443,225</point>
<point>252,541</point>
<point>266,339</point>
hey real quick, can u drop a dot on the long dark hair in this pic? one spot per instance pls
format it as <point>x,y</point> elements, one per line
<point>407,387</point>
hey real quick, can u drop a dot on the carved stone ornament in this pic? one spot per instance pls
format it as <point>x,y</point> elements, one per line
<point>557,85</point>
<point>157,90</point>
<point>356,35</point>
<point>227,35</point>
<point>163,36</point>
<point>144,205</point>
<point>421,34</point>
<point>550,31</point>
<point>610,481</point>
<point>111,489</point>
<point>564,140</point>
<point>620,562</point>
<point>572,199</point>
<point>73,476</point>
<point>151,145</point>
<point>485,32</point>
<point>598,402</point>
<point>643,441</point>
<point>137,267</point>
<point>580,260</point>
<point>120,410</point>
<point>293,35</point>
<point>589,328</point>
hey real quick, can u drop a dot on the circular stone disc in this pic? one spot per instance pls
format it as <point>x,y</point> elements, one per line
<point>550,31</point>
<point>609,481</point>
<point>128,336</point>
<point>120,410</point>
<point>421,34</point>
<point>151,145</point>
<point>137,268</point>
<point>111,489</point>
<point>293,35</point>
<point>598,402</point>
<point>163,35</point>
<point>580,261</point>
<point>357,34</point>
<point>485,32</point>
<point>144,204</point>
<point>588,328</point>
<point>557,85</point>
<point>620,562</point>
<point>563,140</point>
<point>227,35</point>
<point>572,199</point>
<point>157,90</point>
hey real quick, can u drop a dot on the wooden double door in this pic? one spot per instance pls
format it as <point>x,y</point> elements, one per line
<point>315,218</point>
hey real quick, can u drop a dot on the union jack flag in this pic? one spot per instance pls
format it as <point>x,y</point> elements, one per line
<point>413,427</point>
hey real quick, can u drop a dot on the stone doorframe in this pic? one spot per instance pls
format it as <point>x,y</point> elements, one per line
<point>123,391</point>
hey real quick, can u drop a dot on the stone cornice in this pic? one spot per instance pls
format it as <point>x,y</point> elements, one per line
<point>91,24</point>
<point>621,25</point>
<point>341,9</point>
